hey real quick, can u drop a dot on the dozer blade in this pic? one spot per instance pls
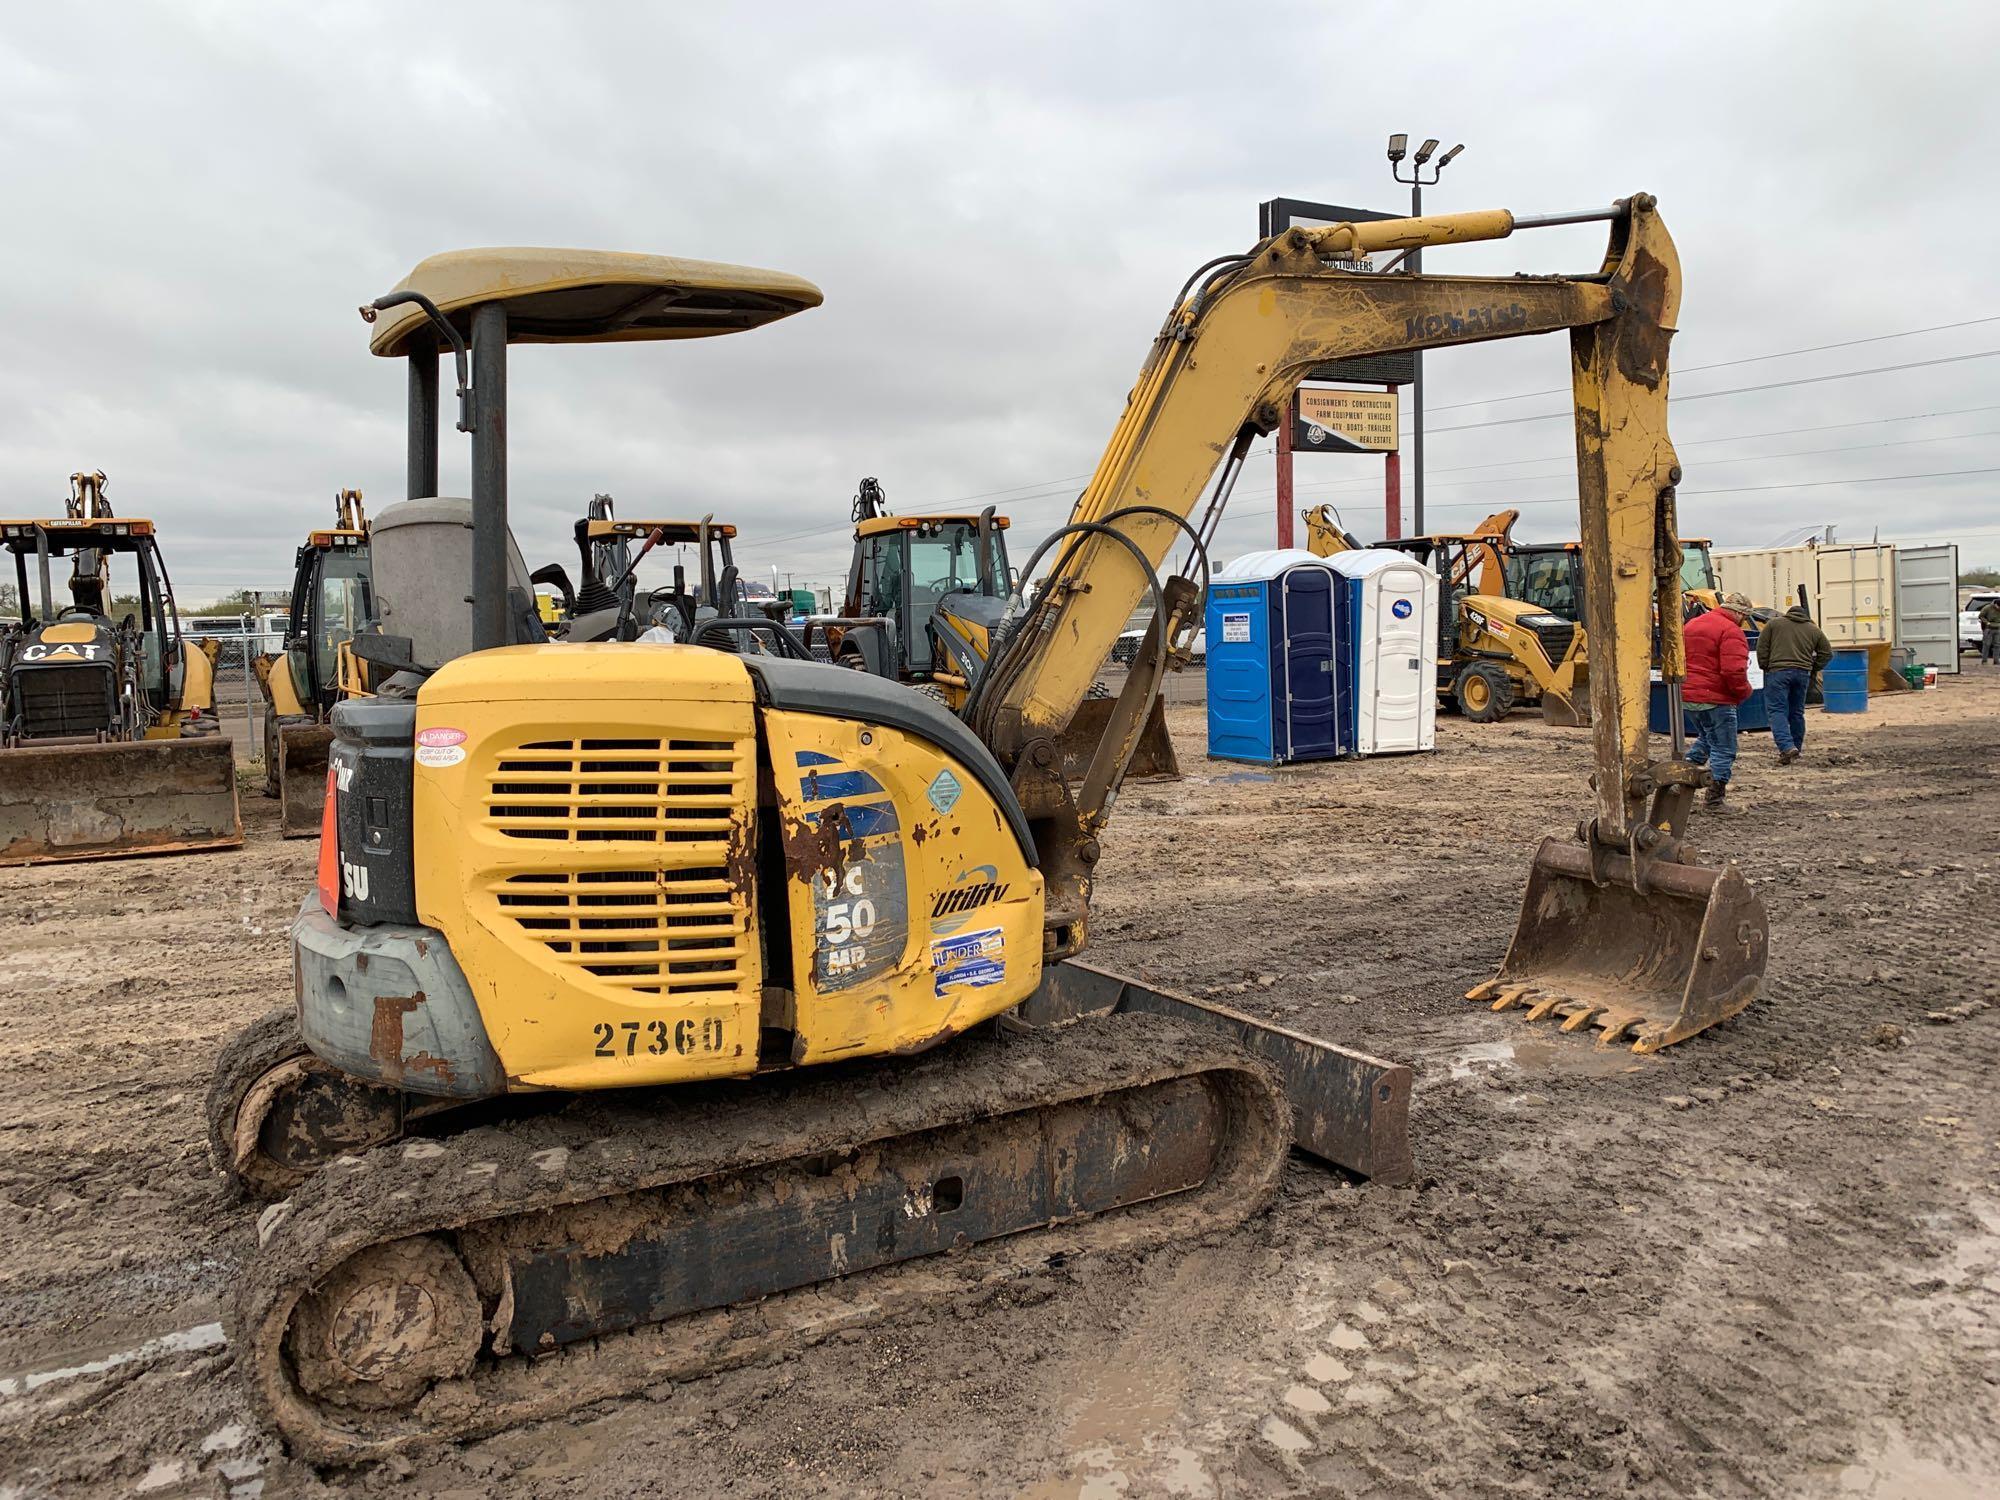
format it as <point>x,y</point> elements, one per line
<point>66,802</point>
<point>302,753</point>
<point>1152,756</point>
<point>1655,965</point>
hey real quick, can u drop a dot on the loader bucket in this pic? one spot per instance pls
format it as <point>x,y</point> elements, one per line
<point>301,773</point>
<point>65,802</point>
<point>1152,756</point>
<point>1565,713</point>
<point>1655,965</point>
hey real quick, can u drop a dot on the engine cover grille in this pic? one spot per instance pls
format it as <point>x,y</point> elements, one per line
<point>647,891</point>
<point>68,700</point>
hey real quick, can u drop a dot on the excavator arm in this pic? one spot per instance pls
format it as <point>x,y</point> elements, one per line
<point>1222,371</point>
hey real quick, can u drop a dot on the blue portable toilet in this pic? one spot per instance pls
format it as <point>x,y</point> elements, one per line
<point>1275,687</point>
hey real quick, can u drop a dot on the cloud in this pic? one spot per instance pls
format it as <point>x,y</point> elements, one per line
<point>998,205</point>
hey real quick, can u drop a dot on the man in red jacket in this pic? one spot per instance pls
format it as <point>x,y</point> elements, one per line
<point>1718,679</point>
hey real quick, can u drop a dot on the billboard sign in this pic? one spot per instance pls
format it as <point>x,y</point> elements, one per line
<point>1330,421</point>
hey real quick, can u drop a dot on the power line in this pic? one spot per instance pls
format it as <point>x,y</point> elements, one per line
<point>1742,437</point>
<point>1751,359</point>
<point>1752,458</point>
<point>1744,390</point>
<point>1047,485</point>
<point>1748,489</point>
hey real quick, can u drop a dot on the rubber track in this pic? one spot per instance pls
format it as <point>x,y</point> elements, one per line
<point>620,1143</point>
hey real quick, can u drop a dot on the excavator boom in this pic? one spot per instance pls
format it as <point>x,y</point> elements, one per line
<point>1222,370</point>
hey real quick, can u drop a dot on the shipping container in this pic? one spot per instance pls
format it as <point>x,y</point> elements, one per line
<point>1850,588</point>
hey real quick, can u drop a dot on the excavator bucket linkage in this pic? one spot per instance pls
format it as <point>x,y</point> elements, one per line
<point>106,801</point>
<point>1656,958</point>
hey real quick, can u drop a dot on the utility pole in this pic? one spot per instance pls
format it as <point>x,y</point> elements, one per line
<point>1399,146</point>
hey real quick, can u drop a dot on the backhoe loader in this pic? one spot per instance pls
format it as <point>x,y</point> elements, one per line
<point>109,745</point>
<point>1498,648</point>
<point>331,602</point>
<point>609,605</point>
<point>924,593</point>
<point>719,902</point>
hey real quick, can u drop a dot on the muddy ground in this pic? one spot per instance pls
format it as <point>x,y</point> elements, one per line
<point>1765,1262</point>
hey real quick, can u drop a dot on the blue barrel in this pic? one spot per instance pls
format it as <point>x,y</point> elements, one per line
<point>1845,681</point>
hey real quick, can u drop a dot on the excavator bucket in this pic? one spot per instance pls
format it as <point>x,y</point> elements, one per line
<point>1153,756</point>
<point>301,753</point>
<point>1653,964</point>
<point>67,802</point>
<point>1565,713</point>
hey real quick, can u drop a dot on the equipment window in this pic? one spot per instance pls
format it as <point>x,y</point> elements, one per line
<point>344,609</point>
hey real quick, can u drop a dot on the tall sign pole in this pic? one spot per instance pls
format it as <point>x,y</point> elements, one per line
<point>1287,508</point>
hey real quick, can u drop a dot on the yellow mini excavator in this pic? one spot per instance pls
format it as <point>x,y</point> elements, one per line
<point>719,902</point>
<point>109,745</point>
<point>924,594</point>
<point>331,603</point>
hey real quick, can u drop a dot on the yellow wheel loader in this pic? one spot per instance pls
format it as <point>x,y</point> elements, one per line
<point>924,595</point>
<point>331,603</point>
<point>109,744</point>
<point>796,947</point>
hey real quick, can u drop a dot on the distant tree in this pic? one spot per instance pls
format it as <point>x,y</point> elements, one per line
<point>1980,578</point>
<point>236,601</point>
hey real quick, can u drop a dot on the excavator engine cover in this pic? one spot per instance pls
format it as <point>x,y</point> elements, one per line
<point>1655,963</point>
<point>104,801</point>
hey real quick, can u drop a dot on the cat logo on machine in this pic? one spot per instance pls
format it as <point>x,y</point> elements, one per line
<point>65,652</point>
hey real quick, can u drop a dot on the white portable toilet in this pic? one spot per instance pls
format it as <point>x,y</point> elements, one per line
<point>1392,645</point>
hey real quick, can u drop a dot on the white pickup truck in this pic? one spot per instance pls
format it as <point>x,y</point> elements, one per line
<point>1968,620</point>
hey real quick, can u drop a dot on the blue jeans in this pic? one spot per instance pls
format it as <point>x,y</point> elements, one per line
<point>1714,739</point>
<point>1785,697</point>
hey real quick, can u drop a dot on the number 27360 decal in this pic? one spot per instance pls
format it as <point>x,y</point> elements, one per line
<point>656,1038</point>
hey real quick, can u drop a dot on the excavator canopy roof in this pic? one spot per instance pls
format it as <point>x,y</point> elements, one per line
<point>593,296</point>
<point>335,536</point>
<point>676,531</point>
<point>876,525</point>
<point>111,533</point>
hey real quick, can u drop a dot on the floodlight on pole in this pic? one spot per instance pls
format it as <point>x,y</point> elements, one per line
<point>1417,180</point>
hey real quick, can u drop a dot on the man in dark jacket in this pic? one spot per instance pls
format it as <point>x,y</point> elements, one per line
<point>1718,679</point>
<point>1790,649</point>
<point>1989,633</point>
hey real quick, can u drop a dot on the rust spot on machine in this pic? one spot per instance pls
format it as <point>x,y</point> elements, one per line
<point>822,847</point>
<point>385,1035</point>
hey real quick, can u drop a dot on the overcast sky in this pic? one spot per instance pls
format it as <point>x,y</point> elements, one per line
<point>999,202</point>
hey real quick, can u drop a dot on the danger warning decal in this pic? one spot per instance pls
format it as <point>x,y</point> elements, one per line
<point>441,746</point>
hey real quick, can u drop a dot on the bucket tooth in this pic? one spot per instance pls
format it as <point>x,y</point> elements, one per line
<point>1513,995</point>
<point>1486,989</point>
<point>1542,1007</point>
<point>1581,1017</point>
